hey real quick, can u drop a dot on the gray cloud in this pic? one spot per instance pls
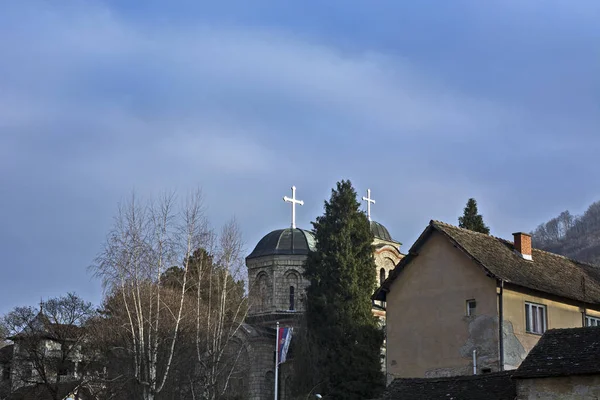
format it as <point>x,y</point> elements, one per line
<point>94,104</point>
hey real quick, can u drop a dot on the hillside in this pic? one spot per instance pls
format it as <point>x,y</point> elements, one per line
<point>574,236</point>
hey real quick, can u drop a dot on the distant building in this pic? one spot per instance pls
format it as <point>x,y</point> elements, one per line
<point>41,349</point>
<point>461,298</point>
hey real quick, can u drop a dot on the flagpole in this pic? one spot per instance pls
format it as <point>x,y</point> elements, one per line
<point>276,358</point>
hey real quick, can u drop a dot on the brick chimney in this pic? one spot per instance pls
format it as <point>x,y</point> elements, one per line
<point>523,244</point>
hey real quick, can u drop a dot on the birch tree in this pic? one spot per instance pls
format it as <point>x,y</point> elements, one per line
<point>216,286</point>
<point>218,353</point>
<point>146,239</point>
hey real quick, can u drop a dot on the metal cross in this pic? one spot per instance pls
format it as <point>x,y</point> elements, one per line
<point>294,202</point>
<point>369,200</point>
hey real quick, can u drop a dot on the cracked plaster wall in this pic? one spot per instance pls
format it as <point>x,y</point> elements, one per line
<point>514,352</point>
<point>427,330</point>
<point>517,342</point>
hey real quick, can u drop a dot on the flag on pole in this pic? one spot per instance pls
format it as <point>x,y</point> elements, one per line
<point>284,337</point>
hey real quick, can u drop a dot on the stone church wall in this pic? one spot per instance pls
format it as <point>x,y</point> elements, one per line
<point>289,273</point>
<point>278,273</point>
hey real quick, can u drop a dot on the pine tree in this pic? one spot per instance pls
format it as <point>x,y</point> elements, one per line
<point>471,219</point>
<point>342,332</point>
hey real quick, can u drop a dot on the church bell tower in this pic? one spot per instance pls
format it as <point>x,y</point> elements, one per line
<point>275,273</point>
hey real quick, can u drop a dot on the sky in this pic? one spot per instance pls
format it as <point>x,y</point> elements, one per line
<point>426,103</point>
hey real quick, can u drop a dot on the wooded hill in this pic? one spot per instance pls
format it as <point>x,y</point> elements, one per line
<point>573,236</point>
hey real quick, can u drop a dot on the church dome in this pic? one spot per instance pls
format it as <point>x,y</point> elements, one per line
<point>285,242</point>
<point>380,232</point>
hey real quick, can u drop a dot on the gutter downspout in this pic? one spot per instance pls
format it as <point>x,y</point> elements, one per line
<point>501,325</point>
<point>475,362</point>
<point>584,301</point>
<point>385,358</point>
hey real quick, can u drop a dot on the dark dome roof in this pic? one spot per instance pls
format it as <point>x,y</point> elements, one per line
<point>380,231</point>
<point>285,242</point>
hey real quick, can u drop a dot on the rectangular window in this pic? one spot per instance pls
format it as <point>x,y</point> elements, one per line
<point>471,305</point>
<point>535,318</point>
<point>592,321</point>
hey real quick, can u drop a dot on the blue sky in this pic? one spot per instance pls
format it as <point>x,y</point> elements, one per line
<point>426,103</point>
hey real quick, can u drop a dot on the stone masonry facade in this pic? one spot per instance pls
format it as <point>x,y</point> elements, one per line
<point>276,293</point>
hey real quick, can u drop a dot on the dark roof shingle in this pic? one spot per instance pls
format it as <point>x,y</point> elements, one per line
<point>41,392</point>
<point>547,272</point>
<point>493,386</point>
<point>380,231</point>
<point>284,242</point>
<point>563,352</point>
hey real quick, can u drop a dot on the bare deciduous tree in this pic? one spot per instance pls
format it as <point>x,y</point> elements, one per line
<point>572,236</point>
<point>146,240</point>
<point>225,306</point>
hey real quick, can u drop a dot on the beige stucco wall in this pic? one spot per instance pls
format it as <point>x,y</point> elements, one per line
<point>428,333</point>
<point>517,342</point>
<point>569,387</point>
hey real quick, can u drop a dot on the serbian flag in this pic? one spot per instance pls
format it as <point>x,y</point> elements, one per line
<point>284,337</point>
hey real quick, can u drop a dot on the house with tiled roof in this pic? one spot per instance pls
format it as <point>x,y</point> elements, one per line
<point>462,302</point>
<point>564,363</point>
<point>493,386</point>
<point>44,361</point>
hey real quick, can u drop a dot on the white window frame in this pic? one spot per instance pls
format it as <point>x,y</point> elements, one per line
<point>529,313</point>
<point>592,321</point>
<point>468,310</point>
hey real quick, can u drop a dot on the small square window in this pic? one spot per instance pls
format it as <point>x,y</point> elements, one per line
<point>535,318</point>
<point>471,305</point>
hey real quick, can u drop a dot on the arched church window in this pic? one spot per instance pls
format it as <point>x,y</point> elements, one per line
<point>292,298</point>
<point>263,292</point>
<point>292,282</point>
<point>381,276</point>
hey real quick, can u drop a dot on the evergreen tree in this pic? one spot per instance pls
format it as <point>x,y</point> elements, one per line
<point>471,218</point>
<point>342,333</point>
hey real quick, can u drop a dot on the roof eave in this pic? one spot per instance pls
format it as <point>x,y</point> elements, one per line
<point>532,375</point>
<point>381,292</point>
